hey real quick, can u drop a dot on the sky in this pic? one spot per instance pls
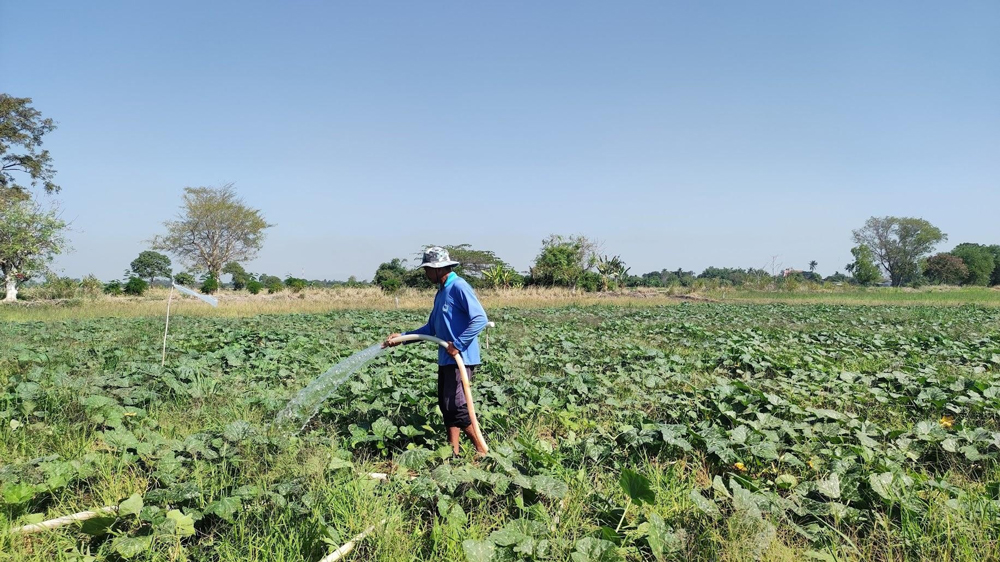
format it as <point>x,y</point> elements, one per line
<point>679,134</point>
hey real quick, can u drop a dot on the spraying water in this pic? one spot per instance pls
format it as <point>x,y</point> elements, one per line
<point>307,402</point>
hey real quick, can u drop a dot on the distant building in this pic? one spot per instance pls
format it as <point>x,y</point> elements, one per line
<point>788,272</point>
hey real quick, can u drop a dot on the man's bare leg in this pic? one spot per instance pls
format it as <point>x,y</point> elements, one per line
<point>454,434</point>
<point>472,435</point>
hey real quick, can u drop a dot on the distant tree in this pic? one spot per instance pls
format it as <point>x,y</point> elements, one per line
<point>898,243</point>
<point>978,260</point>
<point>150,265</point>
<point>30,238</point>
<point>945,269</point>
<point>863,268</point>
<point>113,288</point>
<point>295,284</point>
<point>214,227</point>
<point>390,274</point>
<point>254,287</point>
<point>611,270</point>
<point>837,277</point>
<point>184,278</point>
<point>240,277</point>
<point>564,259</point>
<point>136,287</point>
<point>209,285</point>
<point>995,276</point>
<point>472,263</point>
<point>21,130</point>
<point>812,266</point>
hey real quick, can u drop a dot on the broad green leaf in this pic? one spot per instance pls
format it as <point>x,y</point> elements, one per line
<point>98,525</point>
<point>704,504</point>
<point>786,481</point>
<point>590,549</point>
<point>637,487</point>
<point>662,539</point>
<point>829,486</point>
<point>183,524</point>
<point>549,486</point>
<point>478,551</point>
<point>225,508</point>
<point>130,547</point>
<point>337,463</point>
<point>17,493</point>
<point>131,506</point>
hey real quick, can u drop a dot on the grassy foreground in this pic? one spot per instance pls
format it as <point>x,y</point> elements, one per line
<point>696,431</point>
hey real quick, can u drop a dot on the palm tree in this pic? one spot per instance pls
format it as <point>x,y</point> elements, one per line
<point>812,266</point>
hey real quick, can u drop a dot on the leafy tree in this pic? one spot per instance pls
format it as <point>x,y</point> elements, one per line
<point>946,269</point>
<point>812,266</point>
<point>239,275</point>
<point>184,278</point>
<point>29,238</point>
<point>210,285</point>
<point>898,243</point>
<point>837,277</point>
<point>611,270</point>
<point>563,260</point>
<point>978,260</point>
<point>863,268</point>
<point>150,265</point>
<point>273,284</point>
<point>473,263</point>
<point>390,274</point>
<point>22,128</point>
<point>254,286</point>
<point>113,288</point>
<point>295,284</point>
<point>995,276</point>
<point>136,287</point>
<point>215,227</point>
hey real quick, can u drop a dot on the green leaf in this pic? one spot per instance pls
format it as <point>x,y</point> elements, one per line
<point>183,524</point>
<point>97,526</point>
<point>704,504</point>
<point>337,463</point>
<point>131,506</point>
<point>830,486</point>
<point>549,486</point>
<point>882,485</point>
<point>478,551</point>
<point>238,431</point>
<point>662,539</point>
<point>17,493</point>
<point>590,549</point>
<point>130,547</point>
<point>786,481</point>
<point>637,487</point>
<point>225,508</point>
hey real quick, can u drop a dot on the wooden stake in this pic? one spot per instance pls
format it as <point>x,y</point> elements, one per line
<point>166,325</point>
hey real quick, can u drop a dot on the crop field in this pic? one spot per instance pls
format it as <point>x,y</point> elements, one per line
<point>682,432</point>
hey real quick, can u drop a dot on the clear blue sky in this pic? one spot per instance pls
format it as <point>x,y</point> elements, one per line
<point>682,134</point>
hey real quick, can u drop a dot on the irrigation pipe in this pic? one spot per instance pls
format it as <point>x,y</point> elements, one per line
<point>349,545</point>
<point>480,441</point>
<point>63,521</point>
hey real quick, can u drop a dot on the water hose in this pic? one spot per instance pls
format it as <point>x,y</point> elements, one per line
<point>478,435</point>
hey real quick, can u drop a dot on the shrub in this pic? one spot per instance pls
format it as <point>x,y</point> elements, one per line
<point>295,284</point>
<point>590,282</point>
<point>274,285</point>
<point>91,286</point>
<point>254,286</point>
<point>210,285</point>
<point>56,287</point>
<point>113,288</point>
<point>136,287</point>
<point>184,278</point>
<point>390,285</point>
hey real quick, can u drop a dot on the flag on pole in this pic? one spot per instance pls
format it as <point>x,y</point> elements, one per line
<point>209,299</point>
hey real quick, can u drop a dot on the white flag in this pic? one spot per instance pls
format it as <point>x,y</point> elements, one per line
<point>210,300</point>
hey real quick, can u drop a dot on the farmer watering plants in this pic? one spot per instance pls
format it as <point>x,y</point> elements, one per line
<point>457,318</point>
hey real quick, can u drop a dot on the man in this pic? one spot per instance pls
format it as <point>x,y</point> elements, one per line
<point>457,318</point>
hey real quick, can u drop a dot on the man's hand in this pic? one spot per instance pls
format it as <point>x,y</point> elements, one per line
<point>389,341</point>
<point>452,350</point>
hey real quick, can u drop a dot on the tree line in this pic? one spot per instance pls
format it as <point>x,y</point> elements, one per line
<point>216,230</point>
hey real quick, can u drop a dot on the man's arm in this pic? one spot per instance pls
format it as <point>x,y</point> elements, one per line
<point>425,330</point>
<point>477,319</point>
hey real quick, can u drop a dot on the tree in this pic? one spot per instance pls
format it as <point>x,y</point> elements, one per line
<point>898,243</point>
<point>215,227</point>
<point>978,260</point>
<point>863,268</point>
<point>612,269</point>
<point>564,259</point>
<point>812,266</point>
<point>135,287</point>
<point>472,263</point>
<point>184,278</point>
<point>945,269</point>
<point>389,275</point>
<point>995,276</point>
<point>239,275</point>
<point>23,127</point>
<point>29,238</point>
<point>150,265</point>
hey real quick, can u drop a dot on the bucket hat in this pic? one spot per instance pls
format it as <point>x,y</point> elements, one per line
<point>436,257</point>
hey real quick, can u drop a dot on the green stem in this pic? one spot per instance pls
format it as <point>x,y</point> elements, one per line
<point>622,520</point>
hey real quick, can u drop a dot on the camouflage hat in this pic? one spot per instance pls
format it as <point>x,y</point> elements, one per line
<point>436,257</point>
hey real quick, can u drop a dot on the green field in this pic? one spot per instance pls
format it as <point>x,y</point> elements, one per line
<point>692,431</point>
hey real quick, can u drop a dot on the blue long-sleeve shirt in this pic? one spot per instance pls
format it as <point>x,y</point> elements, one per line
<point>457,317</point>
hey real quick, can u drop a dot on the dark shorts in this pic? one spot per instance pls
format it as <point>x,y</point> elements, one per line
<point>451,395</point>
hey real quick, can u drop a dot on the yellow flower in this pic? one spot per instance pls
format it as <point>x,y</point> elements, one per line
<point>740,467</point>
<point>947,421</point>
<point>811,464</point>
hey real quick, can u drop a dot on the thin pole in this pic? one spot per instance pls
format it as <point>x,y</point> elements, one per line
<point>166,326</point>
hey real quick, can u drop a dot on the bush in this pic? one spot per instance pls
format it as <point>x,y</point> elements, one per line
<point>254,286</point>
<point>210,285</point>
<point>274,285</point>
<point>113,288</point>
<point>56,287</point>
<point>390,285</point>
<point>296,284</point>
<point>136,287</point>
<point>184,278</point>
<point>590,282</point>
